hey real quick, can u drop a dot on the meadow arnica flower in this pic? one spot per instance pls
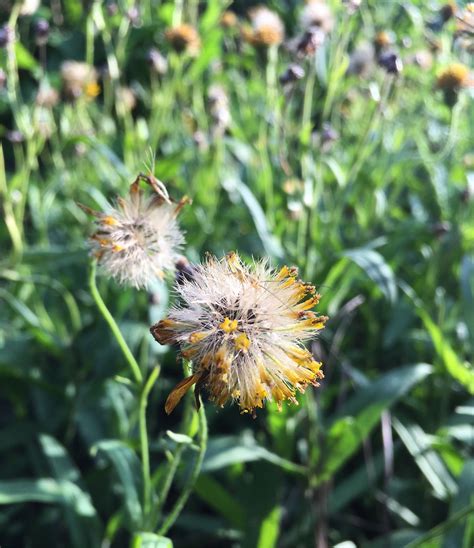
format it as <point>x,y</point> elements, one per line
<point>243,327</point>
<point>184,38</point>
<point>267,27</point>
<point>139,239</point>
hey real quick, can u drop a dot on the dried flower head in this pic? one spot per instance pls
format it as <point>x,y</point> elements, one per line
<point>292,74</point>
<point>453,77</point>
<point>79,79</point>
<point>229,19</point>
<point>125,98</point>
<point>47,96</point>
<point>308,43</point>
<point>267,28</point>
<point>243,327</point>
<point>317,13</point>
<point>383,39</point>
<point>184,38</point>
<point>139,239</point>
<point>451,80</point>
<point>447,11</point>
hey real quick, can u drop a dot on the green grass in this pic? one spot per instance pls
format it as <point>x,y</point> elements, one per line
<point>381,220</point>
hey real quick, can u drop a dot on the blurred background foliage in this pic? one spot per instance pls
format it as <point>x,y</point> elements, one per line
<point>342,151</point>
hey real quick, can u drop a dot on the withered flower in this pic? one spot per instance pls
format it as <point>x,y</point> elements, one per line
<point>243,327</point>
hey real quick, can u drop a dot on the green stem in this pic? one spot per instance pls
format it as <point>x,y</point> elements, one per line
<point>186,492</point>
<point>132,362</point>
<point>144,448</point>
<point>443,527</point>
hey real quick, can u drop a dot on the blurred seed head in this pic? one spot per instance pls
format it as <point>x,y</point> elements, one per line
<point>79,79</point>
<point>184,38</point>
<point>158,62</point>
<point>138,239</point>
<point>243,326</point>
<point>451,80</point>
<point>361,60</point>
<point>328,134</point>
<point>47,96</point>
<point>200,140</point>
<point>133,15</point>
<point>218,102</point>
<point>266,28</point>
<point>309,42</point>
<point>229,19</point>
<point>125,98</point>
<point>15,136</point>
<point>316,13</point>
<point>423,59</point>
<point>41,31</point>
<point>453,77</point>
<point>7,36</point>
<point>112,8</point>
<point>352,5</point>
<point>292,186</point>
<point>292,74</point>
<point>184,270</point>
<point>383,39</point>
<point>3,79</point>
<point>29,7</point>
<point>391,62</point>
<point>441,228</point>
<point>447,11</point>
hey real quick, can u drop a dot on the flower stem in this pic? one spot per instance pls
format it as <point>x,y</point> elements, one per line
<point>186,492</point>
<point>132,362</point>
<point>145,453</point>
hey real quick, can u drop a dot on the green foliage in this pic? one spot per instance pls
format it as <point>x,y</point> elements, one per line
<point>364,181</point>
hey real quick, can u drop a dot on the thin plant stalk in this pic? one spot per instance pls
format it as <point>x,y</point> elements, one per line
<point>186,492</point>
<point>144,446</point>
<point>132,362</point>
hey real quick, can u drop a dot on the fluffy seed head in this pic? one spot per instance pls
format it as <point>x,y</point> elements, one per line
<point>317,13</point>
<point>184,38</point>
<point>267,28</point>
<point>243,327</point>
<point>138,239</point>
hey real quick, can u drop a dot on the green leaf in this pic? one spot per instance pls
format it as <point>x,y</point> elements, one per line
<point>462,536</point>
<point>462,372</point>
<point>374,265</point>
<point>46,490</point>
<point>64,470</point>
<point>127,467</point>
<point>24,58</point>
<point>270,529</point>
<point>212,492</point>
<point>362,412</point>
<point>227,450</point>
<point>150,540</point>
<point>429,462</point>
<point>467,292</point>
